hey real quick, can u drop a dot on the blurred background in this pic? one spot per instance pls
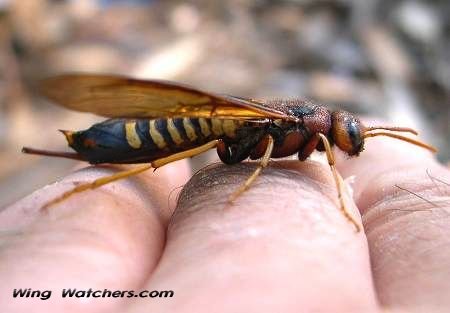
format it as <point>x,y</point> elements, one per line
<point>382,58</point>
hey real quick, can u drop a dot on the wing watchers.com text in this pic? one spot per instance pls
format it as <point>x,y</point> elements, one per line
<point>90,293</point>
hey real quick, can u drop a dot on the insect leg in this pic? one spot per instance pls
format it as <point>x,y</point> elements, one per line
<point>120,175</point>
<point>264,162</point>
<point>97,183</point>
<point>338,180</point>
<point>184,154</point>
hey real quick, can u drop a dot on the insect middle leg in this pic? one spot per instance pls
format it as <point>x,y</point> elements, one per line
<point>124,174</point>
<point>264,162</point>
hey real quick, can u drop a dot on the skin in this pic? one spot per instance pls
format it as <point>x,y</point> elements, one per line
<point>282,247</point>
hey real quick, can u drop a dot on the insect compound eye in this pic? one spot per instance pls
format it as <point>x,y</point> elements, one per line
<point>346,132</point>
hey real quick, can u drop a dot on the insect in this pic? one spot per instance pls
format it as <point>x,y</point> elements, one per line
<point>158,122</point>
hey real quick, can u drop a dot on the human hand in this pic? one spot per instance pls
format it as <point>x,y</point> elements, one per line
<point>283,246</point>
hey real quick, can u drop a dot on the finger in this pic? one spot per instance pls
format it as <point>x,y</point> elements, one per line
<point>283,246</point>
<point>110,237</point>
<point>405,201</point>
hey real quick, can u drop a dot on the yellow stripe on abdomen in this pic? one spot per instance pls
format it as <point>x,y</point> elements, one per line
<point>217,126</point>
<point>229,128</point>
<point>157,138</point>
<point>204,127</point>
<point>189,129</point>
<point>132,137</point>
<point>174,133</point>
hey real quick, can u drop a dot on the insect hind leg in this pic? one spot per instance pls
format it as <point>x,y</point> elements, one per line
<point>97,183</point>
<point>124,174</point>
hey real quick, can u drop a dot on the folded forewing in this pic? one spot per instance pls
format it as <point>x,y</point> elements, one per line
<point>116,96</point>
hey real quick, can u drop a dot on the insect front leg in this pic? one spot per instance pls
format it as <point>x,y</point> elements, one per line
<point>338,180</point>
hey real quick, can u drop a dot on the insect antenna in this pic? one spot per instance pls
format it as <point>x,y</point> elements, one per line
<point>393,128</point>
<point>59,154</point>
<point>368,134</point>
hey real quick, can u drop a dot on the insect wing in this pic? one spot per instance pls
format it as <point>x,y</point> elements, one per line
<point>116,96</point>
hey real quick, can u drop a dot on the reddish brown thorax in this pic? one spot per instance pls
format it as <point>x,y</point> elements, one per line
<point>342,128</point>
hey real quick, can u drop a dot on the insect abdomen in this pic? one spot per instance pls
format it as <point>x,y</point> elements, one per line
<point>144,140</point>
